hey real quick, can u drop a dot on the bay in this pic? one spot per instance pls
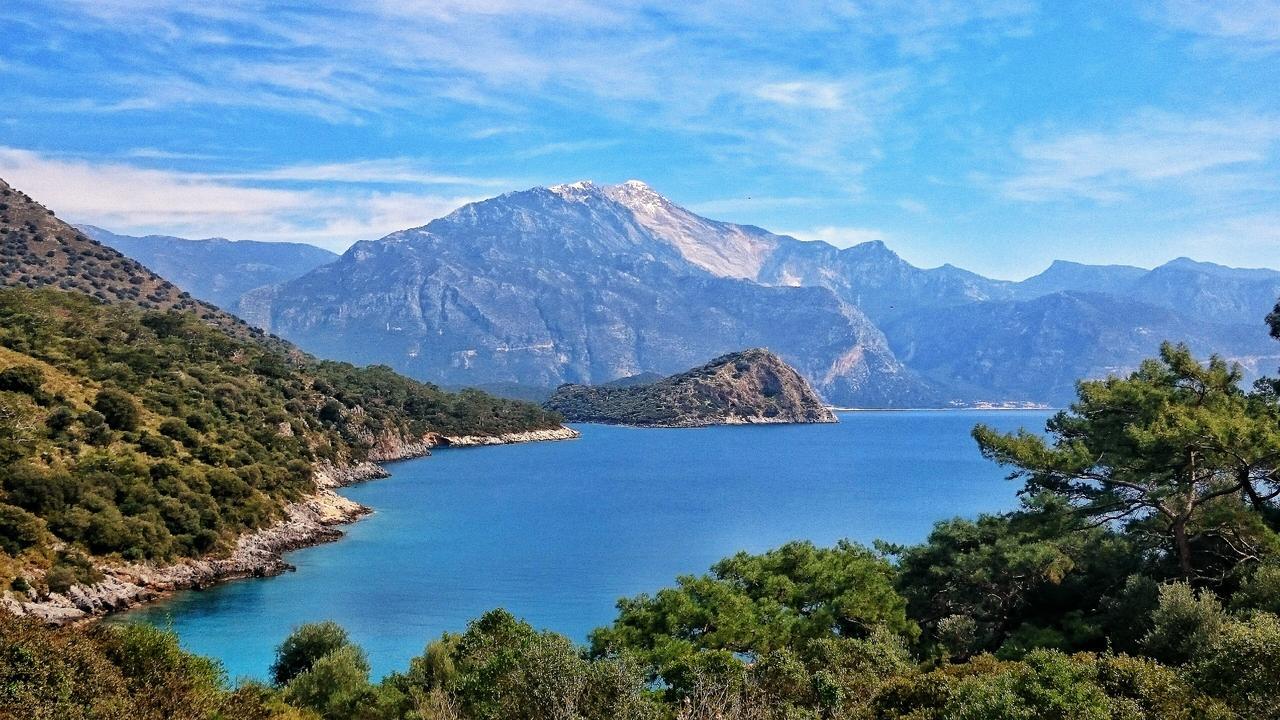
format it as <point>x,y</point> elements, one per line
<point>557,532</point>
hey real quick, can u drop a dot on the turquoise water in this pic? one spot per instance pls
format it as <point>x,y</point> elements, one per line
<point>556,532</point>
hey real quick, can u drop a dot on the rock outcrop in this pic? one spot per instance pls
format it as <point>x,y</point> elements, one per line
<point>563,433</point>
<point>749,387</point>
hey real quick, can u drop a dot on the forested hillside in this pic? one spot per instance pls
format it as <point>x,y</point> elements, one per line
<point>149,434</point>
<point>1139,581</point>
<point>139,424</point>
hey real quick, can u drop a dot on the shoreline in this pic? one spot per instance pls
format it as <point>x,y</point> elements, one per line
<point>1036,408</point>
<point>737,421</point>
<point>312,521</point>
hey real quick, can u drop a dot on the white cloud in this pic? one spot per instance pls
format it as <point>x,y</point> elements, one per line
<point>810,94</point>
<point>841,236</point>
<point>133,200</point>
<point>565,148</point>
<point>1149,150</point>
<point>1251,26</point>
<point>913,206</point>
<point>710,70</point>
<point>381,171</point>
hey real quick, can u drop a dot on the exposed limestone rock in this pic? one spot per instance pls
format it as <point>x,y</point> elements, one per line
<point>563,433</point>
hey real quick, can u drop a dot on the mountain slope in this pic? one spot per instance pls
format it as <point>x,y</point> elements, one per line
<point>139,424</point>
<point>40,250</point>
<point>1104,324</point>
<point>743,388</point>
<point>588,283</point>
<point>564,284</point>
<point>217,270</point>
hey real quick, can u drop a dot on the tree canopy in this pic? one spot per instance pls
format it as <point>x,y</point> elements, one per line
<point>1177,447</point>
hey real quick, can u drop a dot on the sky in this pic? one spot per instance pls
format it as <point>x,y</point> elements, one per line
<point>996,135</point>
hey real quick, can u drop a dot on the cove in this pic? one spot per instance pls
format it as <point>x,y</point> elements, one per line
<point>557,532</point>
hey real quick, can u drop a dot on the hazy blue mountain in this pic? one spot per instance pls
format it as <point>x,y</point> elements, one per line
<point>1205,291</point>
<point>1069,276</point>
<point>587,284</point>
<point>1035,350</point>
<point>216,270</point>
<point>1210,292</point>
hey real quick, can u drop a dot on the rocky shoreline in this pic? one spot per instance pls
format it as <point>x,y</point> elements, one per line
<point>716,422</point>
<point>309,522</point>
<point>561,433</point>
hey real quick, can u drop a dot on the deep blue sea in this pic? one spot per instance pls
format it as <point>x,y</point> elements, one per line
<point>557,532</point>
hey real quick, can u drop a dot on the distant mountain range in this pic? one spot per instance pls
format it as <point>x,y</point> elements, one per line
<point>587,283</point>
<point>217,270</point>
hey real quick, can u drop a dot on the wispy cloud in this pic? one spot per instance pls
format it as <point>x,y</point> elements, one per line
<point>565,148</point>
<point>389,171</point>
<point>808,93</point>
<point>130,199</point>
<point>707,70</point>
<point>1237,239</point>
<point>1152,149</point>
<point>1238,26</point>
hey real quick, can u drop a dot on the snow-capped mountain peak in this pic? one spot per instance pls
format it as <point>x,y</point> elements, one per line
<point>579,190</point>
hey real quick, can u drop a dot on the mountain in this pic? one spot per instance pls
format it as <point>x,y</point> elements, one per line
<point>38,250</point>
<point>567,284</point>
<point>868,276</point>
<point>586,283</point>
<point>742,388</point>
<point>1210,292</point>
<point>1035,350</point>
<point>1062,276</point>
<point>217,270</point>
<point>1204,291</point>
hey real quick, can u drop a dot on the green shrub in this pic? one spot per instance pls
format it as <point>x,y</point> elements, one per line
<point>22,379</point>
<point>118,409</point>
<point>1240,663</point>
<point>1183,621</point>
<point>304,647</point>
<point>19,529</point>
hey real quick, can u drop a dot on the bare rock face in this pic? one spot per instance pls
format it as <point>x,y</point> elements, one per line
<point>575,283</point>
<point>748,387</point>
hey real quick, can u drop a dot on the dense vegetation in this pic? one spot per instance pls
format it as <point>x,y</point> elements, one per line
<point>153,435</point>
<point>1140,580</point>
<point>754,384</point>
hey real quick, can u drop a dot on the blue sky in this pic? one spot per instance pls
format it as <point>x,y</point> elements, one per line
<point>996,135</point>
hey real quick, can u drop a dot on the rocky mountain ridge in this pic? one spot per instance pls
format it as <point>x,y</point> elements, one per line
<point>587,283</point>
<point>743,388</point>
<point>564,284</point>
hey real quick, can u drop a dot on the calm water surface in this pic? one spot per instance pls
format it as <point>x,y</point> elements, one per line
<point>556,532</point>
